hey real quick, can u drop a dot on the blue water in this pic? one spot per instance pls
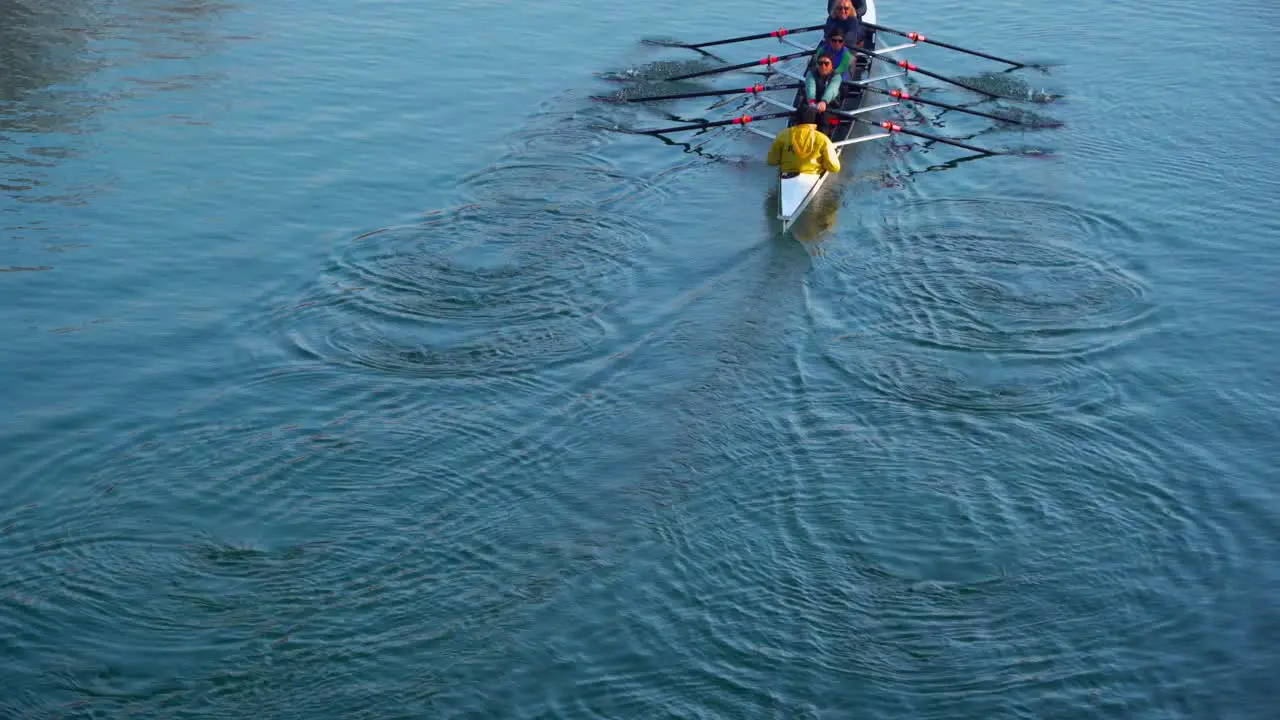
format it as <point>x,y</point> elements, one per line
<point>353,366</point>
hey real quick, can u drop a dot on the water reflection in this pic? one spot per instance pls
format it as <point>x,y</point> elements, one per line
<point>39,46</point>
<point>815,224</point>
<point>812,228</point>
<point>51,49</point>
<point>62,64</point>
<point>45,58</point>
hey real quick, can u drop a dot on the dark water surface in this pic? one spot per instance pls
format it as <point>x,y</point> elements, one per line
<point>349,373</point>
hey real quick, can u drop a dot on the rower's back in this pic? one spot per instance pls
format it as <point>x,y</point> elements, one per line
<point>801,148</point>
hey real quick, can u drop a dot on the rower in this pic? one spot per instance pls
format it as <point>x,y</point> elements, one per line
<point>843,16</point>
<point>802,149</point>
<point>833,45</point>
<point>859,6</point>
<point>822,86</point>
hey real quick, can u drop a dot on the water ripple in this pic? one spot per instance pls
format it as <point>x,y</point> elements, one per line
<point>922,579</point>
<point>975,383</point>
<point>525,274</point>
<point>1015,277</point>
<point>521,186</point>
<point>461,296</point>
<point>553,164</point>
<point>565,451</point>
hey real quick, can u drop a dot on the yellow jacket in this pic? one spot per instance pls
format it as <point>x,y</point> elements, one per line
<point>802,149</point>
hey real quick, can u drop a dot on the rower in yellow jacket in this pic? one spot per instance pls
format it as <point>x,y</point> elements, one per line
<point>802,149</point>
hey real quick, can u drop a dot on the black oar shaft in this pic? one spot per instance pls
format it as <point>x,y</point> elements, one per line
<point>912,98</point>
<point>717,123</point>
<point>912,68</point>
<point>917,37</point>
<point>740,66</point>
<point>781,32</point>
<point>753,90</point>
<point>895,128</point>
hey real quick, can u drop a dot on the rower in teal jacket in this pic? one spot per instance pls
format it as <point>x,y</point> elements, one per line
<point>821,88</point>
<point>821,84</point>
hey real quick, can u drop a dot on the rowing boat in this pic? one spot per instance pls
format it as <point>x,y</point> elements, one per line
<point>797,190</point>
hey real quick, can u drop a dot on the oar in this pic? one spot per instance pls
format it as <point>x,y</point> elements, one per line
<point>753,90</point>
<point>901,95</point>
<point>780,32</point>
<point>717,123</point>
<point>895,128</point>
<point>770,60</point>
<point>905,65</point>
<point>917,37</point>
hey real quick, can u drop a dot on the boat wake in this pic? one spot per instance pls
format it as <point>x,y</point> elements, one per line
<point>973,384</point>
<point>523,275</point>
<point>1025,277</point>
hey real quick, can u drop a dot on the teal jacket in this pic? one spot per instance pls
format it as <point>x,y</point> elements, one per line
<point>829,93</point>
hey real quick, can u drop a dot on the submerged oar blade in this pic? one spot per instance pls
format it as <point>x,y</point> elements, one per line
<point>920,38</point>
<point>753,90</point>
<point>901,95</point>
<point>767,61</point>
<point>911,67</point>
<point>743,120</point>
<point>779,33</point>
<point>895,128</point>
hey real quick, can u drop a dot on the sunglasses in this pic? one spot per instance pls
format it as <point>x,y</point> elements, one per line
<point>835,39</point>
<point>824,63</point>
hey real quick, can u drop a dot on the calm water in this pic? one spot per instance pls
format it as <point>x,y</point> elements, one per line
<point>349,371</point>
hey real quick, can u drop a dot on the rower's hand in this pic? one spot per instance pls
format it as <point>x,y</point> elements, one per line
<point>822,107</point>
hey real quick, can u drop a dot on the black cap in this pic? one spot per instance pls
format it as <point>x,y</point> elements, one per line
<point>806,114</point>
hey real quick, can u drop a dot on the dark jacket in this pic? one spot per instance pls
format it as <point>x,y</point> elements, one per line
<point>852,28</point>
<point>859,7</point>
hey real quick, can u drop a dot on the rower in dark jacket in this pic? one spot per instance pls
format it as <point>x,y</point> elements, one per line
<point>859,5</point>
<point>844,15</point>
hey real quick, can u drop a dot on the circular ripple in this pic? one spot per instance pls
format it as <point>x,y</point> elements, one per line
<point>950,557</point>
<point>983,386</point>
<point>522,186</point>
<point>558,162</point>
<point>561,125</point>
<point>1006,276</point>
<point>470,295</point>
